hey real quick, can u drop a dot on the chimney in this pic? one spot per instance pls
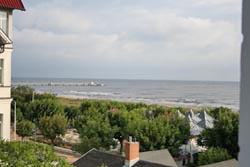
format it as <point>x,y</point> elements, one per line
<point>131,152</point>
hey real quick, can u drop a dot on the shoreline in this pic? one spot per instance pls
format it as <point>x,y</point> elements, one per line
<point>134,100</point>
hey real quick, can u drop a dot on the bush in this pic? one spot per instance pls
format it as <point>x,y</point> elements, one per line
<point>22,154</point>
<point>52,127</point>
<point>25,128</point>
<point>213,155</point>
<point>224,134</point>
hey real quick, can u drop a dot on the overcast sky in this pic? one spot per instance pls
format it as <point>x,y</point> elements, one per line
<point>128,39</point>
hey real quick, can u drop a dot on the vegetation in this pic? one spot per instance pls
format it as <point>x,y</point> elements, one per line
<point>22,154</point>
<point>46,107</point>
<point>101,123</point>
<point>225,132</point>
<point>213,155</point>
<point>52,127</point>
<point>25,128</point>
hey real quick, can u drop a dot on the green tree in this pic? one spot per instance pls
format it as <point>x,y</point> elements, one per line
<point>25,128</point>
<point>94,129</point>
<point>26,109</point>
<point>22,154</point>
<point>213,155</point>
<point>224,134</point>
<point>22,95</point>
<point>43,108</point>
<point>153,132</point>
<point>52,127</point>
<point>72,113</point>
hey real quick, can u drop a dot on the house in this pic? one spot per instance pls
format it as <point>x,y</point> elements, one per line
<point>198,122</point>
<point>6,48</point>
<point>133,158</point>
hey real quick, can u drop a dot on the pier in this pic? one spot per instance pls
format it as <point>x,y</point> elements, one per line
<point>57,84</point>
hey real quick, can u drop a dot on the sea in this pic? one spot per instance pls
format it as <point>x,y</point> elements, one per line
<point>163,92</point>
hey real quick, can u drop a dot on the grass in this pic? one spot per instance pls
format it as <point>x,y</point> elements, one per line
<point>70,102</point>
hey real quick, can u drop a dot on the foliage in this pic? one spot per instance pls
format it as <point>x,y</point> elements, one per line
<point>99,122</point>
<point>22,95</point>
<point>22,154</point>
<point>213,155</point>
<point>26,109</point>
<point>25,128</point>
<point>71,114</point>
<point>95,130</point>
<point>154,130</point>
<point>217,112</point>
<point>53,126</point>
<point>224,134</point>
<point>43,108</point>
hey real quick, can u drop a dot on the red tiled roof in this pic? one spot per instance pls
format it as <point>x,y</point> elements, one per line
<point>12,4</point>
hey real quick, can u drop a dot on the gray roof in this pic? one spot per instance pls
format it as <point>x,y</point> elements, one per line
<point>206,120</point>
<point>228,163</point>
<point>96,158</point>
<point>198,122</point>
<point>159,156</point>
<point>194,117</point>
<point>195,129</point>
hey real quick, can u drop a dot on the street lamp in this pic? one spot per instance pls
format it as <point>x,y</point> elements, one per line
<point>33,96</point>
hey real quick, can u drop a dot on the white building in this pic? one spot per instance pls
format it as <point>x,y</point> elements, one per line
<point>6,48</point>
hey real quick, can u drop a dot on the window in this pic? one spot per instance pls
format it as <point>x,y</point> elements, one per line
<point>3,21</point>
<point>1,72</point>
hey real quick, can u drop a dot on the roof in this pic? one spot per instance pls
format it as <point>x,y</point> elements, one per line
<point>198,122</point>
<point>194,117</point>
<point>95,158</point>
<point>228,163</point>
<point>142,163</point>
<point>12,4</point>
<point>195,129</point>
<point>159,157</point>
<point>206,120</point>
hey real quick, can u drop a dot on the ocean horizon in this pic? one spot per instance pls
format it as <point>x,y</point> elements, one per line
<point>164,92</point>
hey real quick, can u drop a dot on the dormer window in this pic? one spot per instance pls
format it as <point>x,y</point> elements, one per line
<point>3,21</point>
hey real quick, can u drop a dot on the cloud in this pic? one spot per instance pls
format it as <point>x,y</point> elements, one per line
<point>124,41</point>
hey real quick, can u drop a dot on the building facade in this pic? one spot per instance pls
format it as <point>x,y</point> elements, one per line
<point>6,48</point>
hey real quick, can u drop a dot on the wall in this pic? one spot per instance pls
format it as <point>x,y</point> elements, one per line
<point>244,136</point>
<point>5,110</point>
<point>5,97</point>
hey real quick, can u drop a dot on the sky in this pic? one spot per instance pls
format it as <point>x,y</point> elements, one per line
<point>128,39</point>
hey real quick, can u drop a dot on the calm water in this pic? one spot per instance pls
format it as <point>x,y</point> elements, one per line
<point>176,93</point>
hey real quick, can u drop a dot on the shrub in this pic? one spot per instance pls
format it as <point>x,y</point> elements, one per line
<point>213,155</point>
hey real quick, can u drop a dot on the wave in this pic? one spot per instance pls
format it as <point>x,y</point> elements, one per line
<point>186,100</point>
<point>92,93</point>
